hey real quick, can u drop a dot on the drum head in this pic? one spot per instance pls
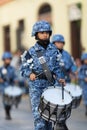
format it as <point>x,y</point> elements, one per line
<point>75,90</point>
<point>54,96</point>
<point>13,91</point>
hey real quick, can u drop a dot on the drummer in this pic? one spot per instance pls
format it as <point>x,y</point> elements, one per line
<point>82,76</point>
<point>33,71</point>
<point>67,62</point>
<point>7,77</point>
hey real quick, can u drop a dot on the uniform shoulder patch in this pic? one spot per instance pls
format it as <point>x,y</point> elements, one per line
<point>25,56</point>
<point>28,56</point>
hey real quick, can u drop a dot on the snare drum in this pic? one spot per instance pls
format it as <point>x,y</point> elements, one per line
<point>76,93</point>
<point>12,95</point>
<point>52,107</point>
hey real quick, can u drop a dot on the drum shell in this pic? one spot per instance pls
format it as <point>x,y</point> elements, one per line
<point>10,97</point>
<point>76,99</point>
<point>54,113</point>
<point>11,100</point>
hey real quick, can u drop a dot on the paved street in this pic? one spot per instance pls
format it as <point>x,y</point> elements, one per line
<point>23,120</point>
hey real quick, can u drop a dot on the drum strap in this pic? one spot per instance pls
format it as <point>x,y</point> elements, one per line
<point>45,67</point>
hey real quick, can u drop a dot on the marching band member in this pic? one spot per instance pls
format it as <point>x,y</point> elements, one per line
<point>32,69</point>
<point>67,65</point>
<point>82,76</point>
<point>7,77</point>
<point>67,60</point>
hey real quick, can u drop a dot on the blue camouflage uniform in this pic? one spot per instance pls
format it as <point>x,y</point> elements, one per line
<point>9,77</point>
<point>67,63</point>
<point>31,64</point>
<point>82,74</point>
<point>7,73</point>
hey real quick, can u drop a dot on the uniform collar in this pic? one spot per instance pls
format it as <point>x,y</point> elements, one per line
<point>6,66</point>
<point>61,51</point>
<point>38,47</point>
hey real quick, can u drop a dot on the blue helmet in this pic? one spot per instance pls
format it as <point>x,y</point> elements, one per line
<point>84,56</point>
<point>41,26</point>
<point>58,38</point>
<point>6,55</point>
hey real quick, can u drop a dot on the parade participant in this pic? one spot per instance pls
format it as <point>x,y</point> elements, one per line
<point>66,63</point>
<point>82,76</point>
<point>7,77</point>
<point>78,63</point>
<point>33,70</point>
<point>16,62</point>
<point>67,60</point>
<point>74,78</point>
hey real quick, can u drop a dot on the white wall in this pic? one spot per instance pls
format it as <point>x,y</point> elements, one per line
<point>16,10</point>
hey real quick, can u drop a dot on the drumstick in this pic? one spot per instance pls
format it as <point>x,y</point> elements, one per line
<point>62,92</point>
<point>40,73</point>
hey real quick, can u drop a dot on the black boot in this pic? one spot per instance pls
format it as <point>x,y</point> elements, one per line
<point>65,127</point>
<point>61,126</point>
<point>7,111</point>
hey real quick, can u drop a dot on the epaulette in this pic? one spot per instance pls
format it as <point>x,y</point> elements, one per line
<point>25,56</point>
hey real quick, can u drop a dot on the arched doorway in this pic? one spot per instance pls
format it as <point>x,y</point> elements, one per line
<point>45,12</point>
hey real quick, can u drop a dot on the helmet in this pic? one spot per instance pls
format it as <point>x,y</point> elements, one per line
<point>6,55</point>
<point>41,26</point>
<point>84,56</point>
<point>58,38</point>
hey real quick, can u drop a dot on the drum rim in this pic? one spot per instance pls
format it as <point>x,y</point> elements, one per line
<point>47,119</point>
<point>52,104</point>
<point>6,93</point>
<point>74,96</point>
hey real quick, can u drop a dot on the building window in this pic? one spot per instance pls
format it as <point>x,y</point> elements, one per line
<point>45,12</point>
<point>19,33</point>
<point>75,14</point>
<point>6,31</point>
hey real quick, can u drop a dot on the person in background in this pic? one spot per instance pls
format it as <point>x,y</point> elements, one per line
<point>74,78</point>
<point>33,71</point>
<point>82,77</point>
<point>67,66</point>
<point>7,77</point>
<point>78,63</point>
<point>16,62</point>
<point>67,63</point>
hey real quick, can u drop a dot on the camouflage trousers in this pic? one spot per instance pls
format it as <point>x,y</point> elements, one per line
<point>85,94</point>
<point>35,90</point>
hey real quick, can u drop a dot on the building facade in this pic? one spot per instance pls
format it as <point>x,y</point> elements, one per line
<point>67,17</point>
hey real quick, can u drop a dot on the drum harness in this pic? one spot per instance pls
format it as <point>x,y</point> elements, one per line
<point>45,67</point>
<point>47,71</point>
